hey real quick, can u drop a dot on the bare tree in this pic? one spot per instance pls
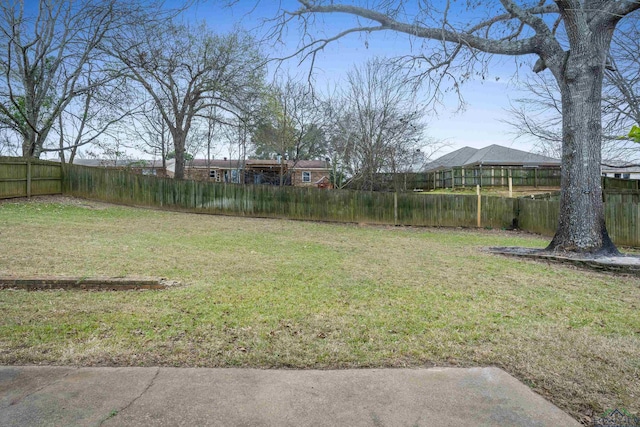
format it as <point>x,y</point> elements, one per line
<point>211,120</point>
<point>9,146</point>
<point>621,97</point>
<point>379,125</point>
<point>538,113</point>
<point>96,113</point>
<point>571,38</point>
<point>291,123</point>
<point>50,57</point>
<point>150,132</point>
<point>238,133</point>
<point>188,70</point>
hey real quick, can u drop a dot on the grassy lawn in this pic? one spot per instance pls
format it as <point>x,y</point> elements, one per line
<point>276,293</point>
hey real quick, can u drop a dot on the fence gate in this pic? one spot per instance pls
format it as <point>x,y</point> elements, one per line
<point>24,177</point>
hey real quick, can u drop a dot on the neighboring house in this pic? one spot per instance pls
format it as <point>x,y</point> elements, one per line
<point>630,172</point>
<point>143,167</point>
<point>214,169</point>
<point>494,165</point>
<point>498,156</point>
<point>301,173</point>
<point>492,156</point>
<point>307,173</point>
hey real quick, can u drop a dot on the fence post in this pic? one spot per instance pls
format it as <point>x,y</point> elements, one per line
<point>28,177</point>
<point>479,206</point>
<point>510,187</point>
<point>395,208</point>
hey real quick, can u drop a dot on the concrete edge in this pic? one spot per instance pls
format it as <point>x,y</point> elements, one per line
<point>626,265</point>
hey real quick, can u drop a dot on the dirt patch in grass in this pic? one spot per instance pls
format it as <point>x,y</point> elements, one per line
<point>43,283</point>
<point>57,199</point>
<point>274,293</point>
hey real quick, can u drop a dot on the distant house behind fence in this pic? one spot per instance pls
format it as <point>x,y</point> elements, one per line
<point>300,173</point>
<point>495,156</point>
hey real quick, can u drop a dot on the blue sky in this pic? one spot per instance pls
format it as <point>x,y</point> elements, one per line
<point>477,126</point>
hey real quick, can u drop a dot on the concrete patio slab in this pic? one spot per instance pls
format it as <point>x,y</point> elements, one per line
<point>60,396</point>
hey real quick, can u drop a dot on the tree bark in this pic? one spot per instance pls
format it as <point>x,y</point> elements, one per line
<point>581,224</point>
<point>28,144</point>
<point>178,145</point>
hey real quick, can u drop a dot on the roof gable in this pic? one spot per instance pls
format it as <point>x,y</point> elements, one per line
<point>493,155</point>
<point>500,155</point>
<point>454,159</point>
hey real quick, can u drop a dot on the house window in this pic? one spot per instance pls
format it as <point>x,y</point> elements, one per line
<point>306,176</point>
<point>215,175</point>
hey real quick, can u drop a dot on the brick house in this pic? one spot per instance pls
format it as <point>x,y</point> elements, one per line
<point>301,173</point>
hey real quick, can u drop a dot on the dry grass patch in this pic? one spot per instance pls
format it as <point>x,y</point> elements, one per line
<point>518,191</point>
<point>270,293</point>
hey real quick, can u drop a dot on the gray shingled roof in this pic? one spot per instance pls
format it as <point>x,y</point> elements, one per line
<point>493,155</point>
<point>453,159</point>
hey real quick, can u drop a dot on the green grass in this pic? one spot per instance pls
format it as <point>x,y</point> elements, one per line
<point>275,293</point>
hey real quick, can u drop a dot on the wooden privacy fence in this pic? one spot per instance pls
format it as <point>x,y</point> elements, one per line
<point>609,183</point>
<point>535,215</point>
<point>289,202</point>
<point>494,177</point>
<point>622,219</point>
<point>489,176</point>
<point>21,177</point>
<point>24,177</point>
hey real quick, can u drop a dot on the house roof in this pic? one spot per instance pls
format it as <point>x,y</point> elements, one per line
<point>309,164</point>
<point>235,163</point>
<point>454,159</point>
<point>493,155</point>
<point>215,163</point>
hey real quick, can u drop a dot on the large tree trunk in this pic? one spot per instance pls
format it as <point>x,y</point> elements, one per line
<point>29,144</point>
<point>178,144</point>
<point>581,224</point>
<point>33,142</point>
